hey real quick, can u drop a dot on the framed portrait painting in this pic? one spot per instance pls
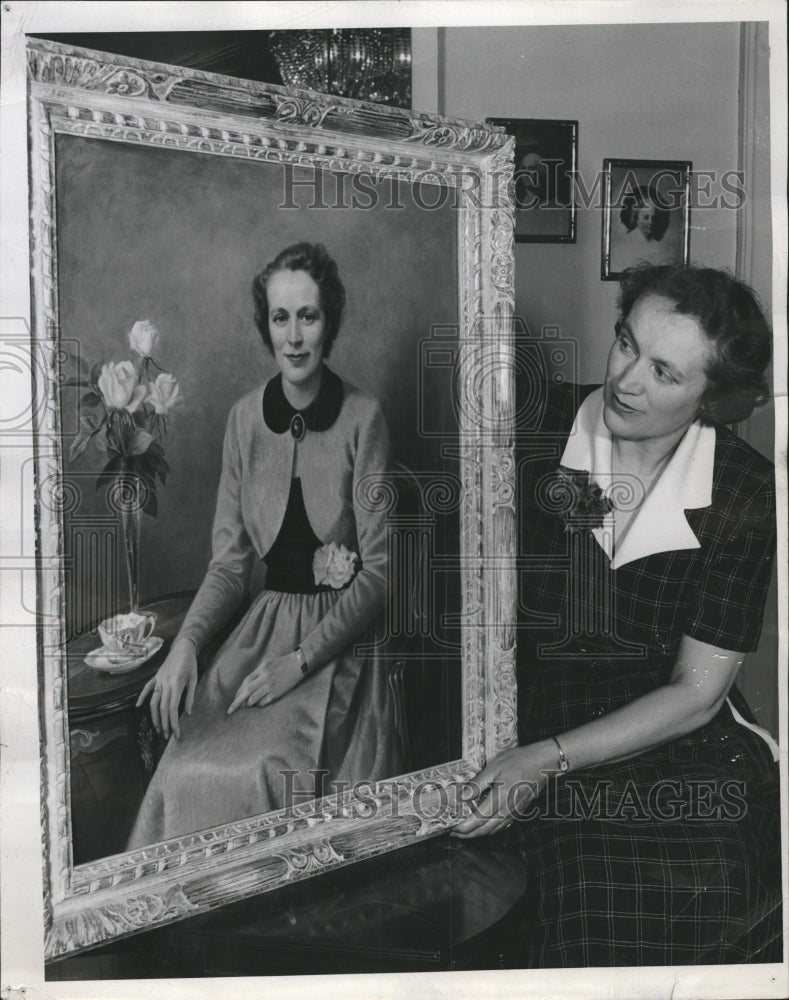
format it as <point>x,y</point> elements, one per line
<point>158,194</point>
<point>646,214</point>
<point>546,154</point>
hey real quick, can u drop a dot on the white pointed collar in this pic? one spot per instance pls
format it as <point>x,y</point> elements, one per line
<point>685,483</point>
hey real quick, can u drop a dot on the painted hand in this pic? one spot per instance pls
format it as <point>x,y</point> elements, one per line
<point>177,674</point>
<point>268,682</point>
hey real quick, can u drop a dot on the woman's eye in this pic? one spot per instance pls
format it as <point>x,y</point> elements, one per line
<point>309,317</point>
<point>661,374</point>
<point>624,343</point>
<point>278,318</point>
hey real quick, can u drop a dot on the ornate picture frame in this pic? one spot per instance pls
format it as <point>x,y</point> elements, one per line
<point>121,106</point>
<point>646,214</point>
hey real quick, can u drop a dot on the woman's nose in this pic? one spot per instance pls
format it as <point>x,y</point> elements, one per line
<point>630,380</point>
<point>295,335</point>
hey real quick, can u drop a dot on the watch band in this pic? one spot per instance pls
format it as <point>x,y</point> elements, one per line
<point>302,661</point>
<point>564,763</point>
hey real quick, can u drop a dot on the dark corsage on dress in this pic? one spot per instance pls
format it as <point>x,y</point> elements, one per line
<point>325,552</point>
<point>582,501</point>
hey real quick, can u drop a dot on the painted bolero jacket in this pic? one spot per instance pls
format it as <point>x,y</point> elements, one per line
<point>344,453</point>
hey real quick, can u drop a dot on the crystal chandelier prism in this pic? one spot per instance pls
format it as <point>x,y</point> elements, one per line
<point>367,64</point>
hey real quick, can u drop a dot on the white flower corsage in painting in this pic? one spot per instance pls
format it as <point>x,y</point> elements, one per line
<point>334,566</point>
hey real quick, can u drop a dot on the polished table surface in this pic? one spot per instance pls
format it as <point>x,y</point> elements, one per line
<point>91,690</point>
<point>440,905</point>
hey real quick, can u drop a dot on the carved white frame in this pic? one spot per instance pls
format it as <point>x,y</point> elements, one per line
<point>87,93</point>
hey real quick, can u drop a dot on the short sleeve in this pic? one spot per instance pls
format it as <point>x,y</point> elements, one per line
<point>729,601</point>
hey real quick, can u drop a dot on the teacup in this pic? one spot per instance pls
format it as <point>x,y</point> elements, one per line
<point>127,633</point>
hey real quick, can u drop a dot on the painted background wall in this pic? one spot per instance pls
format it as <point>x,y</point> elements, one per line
<point>177,237</point>
<point>650,91</point>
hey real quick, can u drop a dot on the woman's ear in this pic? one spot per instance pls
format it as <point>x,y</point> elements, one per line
<point>707,408</point>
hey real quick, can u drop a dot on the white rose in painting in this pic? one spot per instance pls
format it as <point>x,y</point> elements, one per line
<point>144,338</point>
<point>333,565</point>
<point>119,384</point>
<point>164,394</point>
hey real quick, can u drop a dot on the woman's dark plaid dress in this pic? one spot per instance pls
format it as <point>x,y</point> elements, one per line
<point>671,857</point>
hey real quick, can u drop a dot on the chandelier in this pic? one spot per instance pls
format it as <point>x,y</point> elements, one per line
<point>367,64</point>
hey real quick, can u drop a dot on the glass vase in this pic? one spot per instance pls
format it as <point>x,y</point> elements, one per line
<point>131,517</point>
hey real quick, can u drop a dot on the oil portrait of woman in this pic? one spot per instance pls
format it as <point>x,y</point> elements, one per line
<point>286,701</point>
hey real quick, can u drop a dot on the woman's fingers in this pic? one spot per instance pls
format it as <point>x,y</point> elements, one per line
<point>240,697</point>
<point>481,784</point>
<point>156,700</point>
<point>190,694</point>
<point>480,827</point>
<point>263,686</point>
<point>257,685</point>
<point>164,710</point>
<point>169,703</point>
<point>177,674</point>
<point>260,689</point>
<point>145,692</point>
<point>489,813</point>
<point>488,805</point>
<point>173,705</point>
<point>261,698</point>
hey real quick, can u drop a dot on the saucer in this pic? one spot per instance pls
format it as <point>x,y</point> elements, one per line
<point>121,663</point>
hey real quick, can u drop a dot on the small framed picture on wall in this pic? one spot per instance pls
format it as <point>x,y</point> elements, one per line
<point>546,154</point>
<point>646,214</point>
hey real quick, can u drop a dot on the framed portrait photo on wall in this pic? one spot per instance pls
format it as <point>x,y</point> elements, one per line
<point>546,155</point>
<point>646,214</point>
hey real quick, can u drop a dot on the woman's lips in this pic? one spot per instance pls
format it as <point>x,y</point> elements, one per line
<point>621,407</point>
<point>296,359</point>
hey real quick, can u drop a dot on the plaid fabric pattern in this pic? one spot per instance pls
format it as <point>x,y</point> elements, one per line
<point>620,892</point>
<point>631,882</point>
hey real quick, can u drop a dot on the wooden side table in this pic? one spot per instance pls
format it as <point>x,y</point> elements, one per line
<point>113,746</point>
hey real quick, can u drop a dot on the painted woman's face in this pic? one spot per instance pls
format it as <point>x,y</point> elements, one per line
<point>656,376</point>
<point>297,326</point>
<point>645,220</point>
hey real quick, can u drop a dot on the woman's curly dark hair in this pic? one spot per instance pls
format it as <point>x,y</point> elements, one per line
<point>632,205</point>
<point>315,260</point>
<point>729,314</point>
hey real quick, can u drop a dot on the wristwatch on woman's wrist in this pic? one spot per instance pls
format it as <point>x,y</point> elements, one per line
<point>302,661</point>
<point>564,763</point>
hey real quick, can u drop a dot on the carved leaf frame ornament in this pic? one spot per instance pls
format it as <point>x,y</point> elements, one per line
<point>92,94</point>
